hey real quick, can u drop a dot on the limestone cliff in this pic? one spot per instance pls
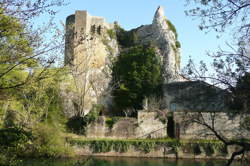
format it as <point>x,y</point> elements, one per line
<point>88,50</point>
<point>162,34</point>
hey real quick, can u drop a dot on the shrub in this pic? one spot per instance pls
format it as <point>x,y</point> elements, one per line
<point>196,149</point>
<point>13,137</point>
<point>12,119</point>
<point>209,149</point>
<point>13,143</point>
<point>177,44</point>
<point>125,38</point>
<point>172,28</point>
<point>8,159</point>
<point>111,33</point>
<point>111,121</point>
<point>77,124</point>
<point>101,146</point>
<point>139,75</point>
<point>48,142</point>
<point>144,145</point>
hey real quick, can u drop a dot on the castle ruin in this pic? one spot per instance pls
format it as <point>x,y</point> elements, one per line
<point>89,48</point>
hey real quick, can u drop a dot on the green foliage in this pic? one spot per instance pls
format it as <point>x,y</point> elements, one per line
<point>125,38</point>
<point>241,99</point>
<point>246,123</point>
<point>77,124</point>
<point>195,147</point>
<point>48,142</point>
<point>111,121</point>
<point>94,113</point>
<point>13,137</point>
<point>209,149</point>
<point>11,119</point>
<point>145,146</point>
<point>111,33</point>
<point>177,44</point>
<point>138,72</point>
<point>172,28</point>
<point>7,159</point>
<point>13,142</point>
<point>107,145</point>
<point>15,51</point>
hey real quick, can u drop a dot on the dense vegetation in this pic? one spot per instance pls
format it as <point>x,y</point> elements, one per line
<point>78,124</point>
<point>136,75</point>
<point>195,147</point>
<point>125,38</point>
<point>31,121</point>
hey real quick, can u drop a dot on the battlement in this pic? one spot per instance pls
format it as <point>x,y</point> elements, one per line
<point>83,22</point>
<point>79,26</point>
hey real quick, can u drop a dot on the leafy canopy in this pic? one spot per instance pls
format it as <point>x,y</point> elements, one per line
<point>137,72</point>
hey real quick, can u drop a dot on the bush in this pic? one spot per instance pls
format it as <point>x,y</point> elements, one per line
<point>78,124</point>
<point>13,137</point>
<point>111,121</point>
<point>12,119</point>
<point>111,33</point>
<point>143,145</point>
<point>48,142</point>
<point>196,149</point>
<point>8,159</point>
<point>139,75</point>
<point>125,38</point>
<point>172,28</point>
<point>177,44</point>
<point>209,149</point>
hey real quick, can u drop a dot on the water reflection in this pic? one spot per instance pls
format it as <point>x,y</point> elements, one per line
<point>116,161</point>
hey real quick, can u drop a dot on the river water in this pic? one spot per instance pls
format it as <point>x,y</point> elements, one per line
<point>118,161</point>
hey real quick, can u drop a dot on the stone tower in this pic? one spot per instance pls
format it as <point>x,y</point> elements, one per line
<point>83,29</point>
<point>87,53</point>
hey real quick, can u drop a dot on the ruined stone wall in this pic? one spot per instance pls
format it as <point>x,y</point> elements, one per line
<point>226,124</point>
<point>150,126</point>
<point>194,96</point>
<point>123,128</point>
<point>147,125</point>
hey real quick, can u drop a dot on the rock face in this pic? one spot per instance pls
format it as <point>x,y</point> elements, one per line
<point>160,34</point>
<point>88,50</point>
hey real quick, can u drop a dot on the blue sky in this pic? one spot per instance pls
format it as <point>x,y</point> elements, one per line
<point>133,13</point>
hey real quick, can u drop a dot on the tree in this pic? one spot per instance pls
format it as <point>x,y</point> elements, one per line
<point>23,47</point>
<point>138,74</point>
<point>26,58</point>
<point>231,66</point>
<point>25,55</point>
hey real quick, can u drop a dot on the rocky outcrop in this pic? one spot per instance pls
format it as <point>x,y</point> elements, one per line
<point>88,50</point>
<point>162,35</point>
